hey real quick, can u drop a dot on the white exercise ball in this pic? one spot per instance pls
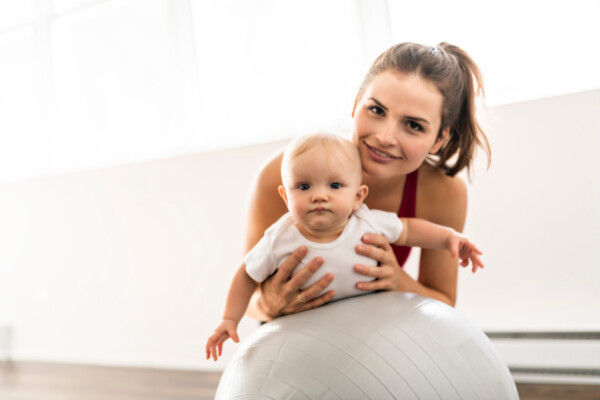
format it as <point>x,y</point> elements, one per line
<point>378,346</point>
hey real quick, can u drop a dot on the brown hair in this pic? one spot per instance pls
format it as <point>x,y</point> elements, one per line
<point>459,80</point>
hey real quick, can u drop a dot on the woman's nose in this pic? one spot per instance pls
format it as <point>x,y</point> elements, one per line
<point>387,136</point>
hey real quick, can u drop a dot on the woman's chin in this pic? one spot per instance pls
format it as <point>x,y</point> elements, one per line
<point>380,171</point>
<point>386,171</point>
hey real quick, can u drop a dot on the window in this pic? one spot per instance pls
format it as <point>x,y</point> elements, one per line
<point>92,83</point>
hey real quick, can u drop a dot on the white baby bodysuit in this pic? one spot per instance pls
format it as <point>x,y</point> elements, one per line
<point>340,257</point>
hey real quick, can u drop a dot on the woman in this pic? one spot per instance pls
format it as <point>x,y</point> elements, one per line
<point>415,127</point>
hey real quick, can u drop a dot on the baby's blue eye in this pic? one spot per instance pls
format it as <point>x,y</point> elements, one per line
<point>335,185</point>
<point>304,186</point>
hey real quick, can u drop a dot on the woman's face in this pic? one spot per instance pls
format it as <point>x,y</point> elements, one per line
<point>396,123</point>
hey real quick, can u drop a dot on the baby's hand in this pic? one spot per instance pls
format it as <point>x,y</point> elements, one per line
<point>214,346</point>
<point>461,247</point>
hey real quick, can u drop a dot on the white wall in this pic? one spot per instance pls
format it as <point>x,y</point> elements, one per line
<point>535,214</point>
<point>129,265</point>
<point>124,265</point>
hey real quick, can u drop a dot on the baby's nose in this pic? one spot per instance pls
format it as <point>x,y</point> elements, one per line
<point>319,195</point>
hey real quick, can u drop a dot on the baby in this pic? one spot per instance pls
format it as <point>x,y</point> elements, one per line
<point>321,175</point>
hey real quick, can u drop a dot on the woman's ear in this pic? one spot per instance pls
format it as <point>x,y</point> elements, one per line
<point>281,190</point>
<point>361,195</point>
<point>440,141</point>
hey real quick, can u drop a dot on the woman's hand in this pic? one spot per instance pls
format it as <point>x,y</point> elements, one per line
<point>389,275</point>
<point>281,293</point>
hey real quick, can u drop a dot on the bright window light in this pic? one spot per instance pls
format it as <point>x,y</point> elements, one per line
<point>93,83</point>
<point>525,49</point>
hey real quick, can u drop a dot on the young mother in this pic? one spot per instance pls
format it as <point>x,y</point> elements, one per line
<point>414,125</point>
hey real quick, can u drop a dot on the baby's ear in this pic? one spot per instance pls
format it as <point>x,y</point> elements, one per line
<point>361,195</point>
<point>281,190</point>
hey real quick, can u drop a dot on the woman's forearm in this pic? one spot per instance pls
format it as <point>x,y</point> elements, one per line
<point>433,293</point>
<point>438,276</point>
<point>254,309</point>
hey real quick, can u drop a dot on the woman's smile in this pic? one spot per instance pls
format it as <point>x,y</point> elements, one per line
<point>380,154</point>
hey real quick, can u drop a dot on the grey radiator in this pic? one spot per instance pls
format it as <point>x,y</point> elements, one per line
<point>561,357</point>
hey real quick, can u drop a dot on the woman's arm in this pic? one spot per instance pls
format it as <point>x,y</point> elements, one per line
<point>441,200</point>
<point>279,294</point>
<point>447,206</point>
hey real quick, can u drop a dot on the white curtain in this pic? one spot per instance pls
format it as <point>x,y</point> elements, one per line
<point>92,83</point>
<point>86,84</point>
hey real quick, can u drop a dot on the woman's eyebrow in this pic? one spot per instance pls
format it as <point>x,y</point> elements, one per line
<point>384,108</point>
<point>418,119</point>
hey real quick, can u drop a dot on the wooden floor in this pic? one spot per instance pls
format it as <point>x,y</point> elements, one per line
<point>45,381</point>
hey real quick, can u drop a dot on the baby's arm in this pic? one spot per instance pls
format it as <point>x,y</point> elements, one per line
<point>241,289</point>
<point>420,233</point>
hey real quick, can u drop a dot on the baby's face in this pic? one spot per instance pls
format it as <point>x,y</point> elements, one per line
<point>321,190</point>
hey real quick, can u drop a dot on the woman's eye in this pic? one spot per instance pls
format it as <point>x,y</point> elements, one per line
<point>335,185</point>
<point>376,110</point>
<point>304,186</point>
<point>414,126</point>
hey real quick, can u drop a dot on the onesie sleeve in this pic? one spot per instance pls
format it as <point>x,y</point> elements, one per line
<point>383,222</point>
<point>259,261</point>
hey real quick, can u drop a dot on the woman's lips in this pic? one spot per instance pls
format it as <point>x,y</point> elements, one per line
<point>379,154</point>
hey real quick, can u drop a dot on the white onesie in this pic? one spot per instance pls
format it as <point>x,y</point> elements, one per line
<point>339,256</point>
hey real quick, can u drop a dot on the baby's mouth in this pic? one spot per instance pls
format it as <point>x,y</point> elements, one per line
<point>381,153</point>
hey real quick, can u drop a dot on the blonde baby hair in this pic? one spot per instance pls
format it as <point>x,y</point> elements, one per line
<point>330,144</point>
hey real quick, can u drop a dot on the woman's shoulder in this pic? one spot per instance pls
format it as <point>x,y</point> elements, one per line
<point>441,198</point>
<point>270,171</point>
<point>265,205</point>
<point>266,184</point>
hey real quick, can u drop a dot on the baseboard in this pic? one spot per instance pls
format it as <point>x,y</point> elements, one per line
<point>550,357</point>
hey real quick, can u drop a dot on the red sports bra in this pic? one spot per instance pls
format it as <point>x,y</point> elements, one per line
<point>407,210</point>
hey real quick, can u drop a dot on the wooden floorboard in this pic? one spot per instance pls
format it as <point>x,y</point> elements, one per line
<point>49,381</point>
<point>546,391</point>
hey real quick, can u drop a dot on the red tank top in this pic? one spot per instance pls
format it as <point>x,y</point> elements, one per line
<point>407,210</point>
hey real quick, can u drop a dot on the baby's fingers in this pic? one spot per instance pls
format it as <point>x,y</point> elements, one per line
<point>233,335</point>
<point>476,262</point>
<point>211,351</point>
<point>214,343</point>
<point>210,345</point>
<point>220,348</point>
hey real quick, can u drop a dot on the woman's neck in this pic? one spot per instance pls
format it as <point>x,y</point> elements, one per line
<point>383,185</point>
<point>384,194</point>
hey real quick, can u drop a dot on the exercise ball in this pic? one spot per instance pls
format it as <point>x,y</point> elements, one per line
<point>384,345</point>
